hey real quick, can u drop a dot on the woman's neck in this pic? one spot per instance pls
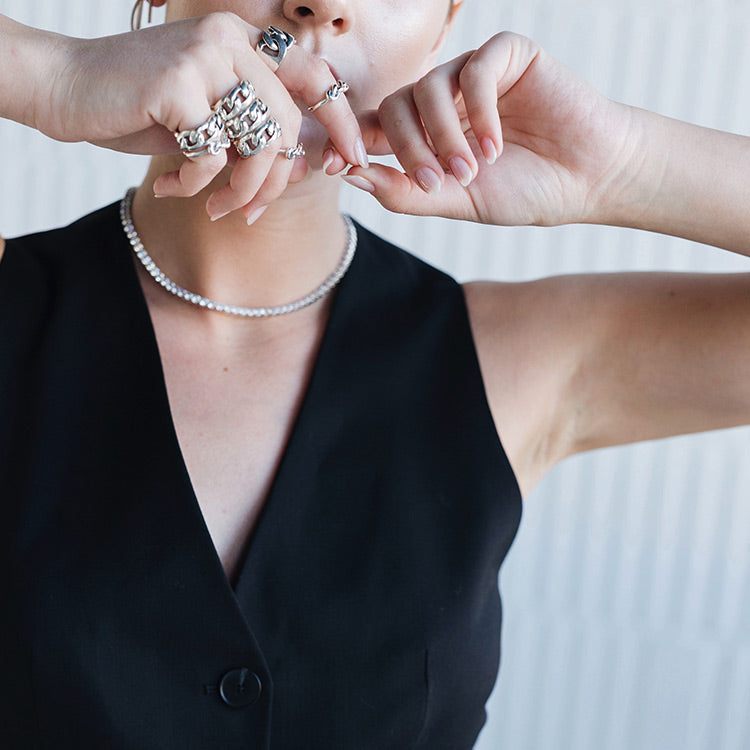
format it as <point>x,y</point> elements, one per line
<point>283,256</point>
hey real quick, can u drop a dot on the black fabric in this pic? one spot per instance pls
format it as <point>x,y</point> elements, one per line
<point>367,603</point>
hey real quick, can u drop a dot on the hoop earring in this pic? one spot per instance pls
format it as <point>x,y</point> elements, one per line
<point>136,17</point>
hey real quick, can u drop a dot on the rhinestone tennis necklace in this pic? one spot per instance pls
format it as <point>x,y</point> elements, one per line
<point>161,278</point>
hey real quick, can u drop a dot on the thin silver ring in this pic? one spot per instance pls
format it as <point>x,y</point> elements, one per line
<point>274,44</point>
<point>293,152</point>
<point>333,93</point>
<point>208,138</point>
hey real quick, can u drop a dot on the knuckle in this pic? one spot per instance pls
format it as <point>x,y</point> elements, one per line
<point>471,73</point>
<point>426,87</point>
<point>217,26</point>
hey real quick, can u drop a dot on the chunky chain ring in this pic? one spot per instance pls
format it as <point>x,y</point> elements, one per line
<point>240,127</point>
<point>258,138</point>
<point>275,43</point>
<point>237,100</point>
<point>333,93</point>
<point>208,138</point>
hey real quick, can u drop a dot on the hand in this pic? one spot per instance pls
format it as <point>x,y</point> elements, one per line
<point>131,92</point>
<point>549,157</point>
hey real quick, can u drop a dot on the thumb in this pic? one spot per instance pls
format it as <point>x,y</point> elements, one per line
<point>373,137</point>
<point>397,192</point>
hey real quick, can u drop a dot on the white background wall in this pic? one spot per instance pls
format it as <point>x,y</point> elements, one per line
<point>627,592</point>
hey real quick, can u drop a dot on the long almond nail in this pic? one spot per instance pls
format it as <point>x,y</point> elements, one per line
<point>359,182</point>
<point>489,150</point>
<point>361,153</point>
<point>428,180</point>
<point>328,157</point>
<point>255,215</point>
<point>461,169</point>
<point>216,217</point>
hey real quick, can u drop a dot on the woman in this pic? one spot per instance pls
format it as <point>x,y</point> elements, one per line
<point>376,492</point>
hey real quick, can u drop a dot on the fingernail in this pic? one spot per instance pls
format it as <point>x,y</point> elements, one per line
<point>160,195</point>
<point>255,215</point>
<point>359,182</point>
<point>328,157</point>
<point>428,180</point>
<point>461,169</point>
<point>489,150</point>
<point>219,216</point>
<point>361,153</point>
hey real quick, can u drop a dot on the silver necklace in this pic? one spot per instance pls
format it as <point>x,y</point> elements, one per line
<point>161,278</point>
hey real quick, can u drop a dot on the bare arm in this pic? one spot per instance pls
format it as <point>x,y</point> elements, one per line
<point>579,362</point>
<point>620,358</point>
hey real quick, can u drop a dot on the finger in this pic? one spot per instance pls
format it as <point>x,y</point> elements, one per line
<point>274,185</point>
<point>374,138</point>
<point>310,78</point>
<point>191,178</point>
<point>435,97</point>
<point>398,192</point>
<point>402,126</point>
<point>194,173</point>
<point>245,181</point>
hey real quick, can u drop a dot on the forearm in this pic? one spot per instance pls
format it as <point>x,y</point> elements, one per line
<point>29,59</point>
<point>683,180</point>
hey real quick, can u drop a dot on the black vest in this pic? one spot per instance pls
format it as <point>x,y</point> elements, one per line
<point>366,614</point>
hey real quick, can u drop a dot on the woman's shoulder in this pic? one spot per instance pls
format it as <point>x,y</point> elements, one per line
<point>72,248</point>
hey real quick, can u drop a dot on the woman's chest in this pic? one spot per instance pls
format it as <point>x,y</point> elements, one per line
<point>233,411</point>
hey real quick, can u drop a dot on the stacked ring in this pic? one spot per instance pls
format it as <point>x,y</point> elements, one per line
<point>258,138</point>
<point>208,138</point>
<point>275,43</point>
<point>246,120</point>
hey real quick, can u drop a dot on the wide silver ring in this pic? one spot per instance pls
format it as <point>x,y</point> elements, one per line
<point>274,44</point>
<point>293,152</point>
<point>208,138</point>
<point>333,93</point>
<point>242,125</point>
<point>258,138</point>
<point>235,101</point>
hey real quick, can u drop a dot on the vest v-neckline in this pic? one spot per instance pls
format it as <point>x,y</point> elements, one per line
<point>175,462</point>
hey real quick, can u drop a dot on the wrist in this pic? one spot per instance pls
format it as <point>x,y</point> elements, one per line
<point>30,60</point>
<point>627,194</point>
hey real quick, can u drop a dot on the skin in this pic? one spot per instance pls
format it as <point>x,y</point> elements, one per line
<point>569,364</point>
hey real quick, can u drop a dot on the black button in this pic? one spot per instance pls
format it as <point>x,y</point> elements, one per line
<point>240,688</point>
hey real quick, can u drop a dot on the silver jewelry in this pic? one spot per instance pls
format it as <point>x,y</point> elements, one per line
<point>333,93</point>
<point>126,217</point>
<point>242,125</point>
<point>233,103</point>
<point>258,138</point>
<point>246,120</point>
<point>275,43</point>
<point>293,152</point>
<point>208,138</point>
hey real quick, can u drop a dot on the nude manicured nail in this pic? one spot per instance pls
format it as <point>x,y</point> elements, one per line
<point>255,215</point>
<point>489,150</point>
<point>216,217</point>
<point>428,180</point>
<point>359,182</point>
<point>461,169</point>
<point>361,153</point>
<point>328,158</point>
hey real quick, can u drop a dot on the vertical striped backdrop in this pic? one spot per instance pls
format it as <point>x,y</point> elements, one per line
<point>627,593</point>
